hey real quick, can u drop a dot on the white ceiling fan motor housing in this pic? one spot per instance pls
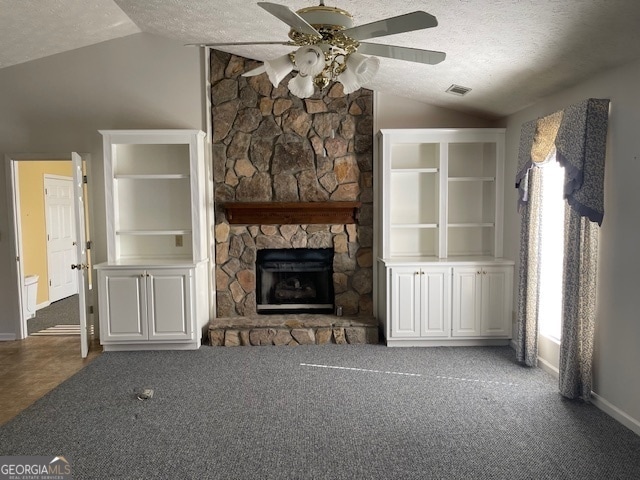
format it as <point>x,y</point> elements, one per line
<point>330,18</point>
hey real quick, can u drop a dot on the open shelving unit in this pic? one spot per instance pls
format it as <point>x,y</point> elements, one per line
<point>440,275</point>
<point>153,286</point>
<point>414,177</point>
<point>441,193</point>
<point>152,186</point>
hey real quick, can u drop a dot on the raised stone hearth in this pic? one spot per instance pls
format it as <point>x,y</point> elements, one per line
<point>302,329</point>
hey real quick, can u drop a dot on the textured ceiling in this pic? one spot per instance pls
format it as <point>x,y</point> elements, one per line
<point>509,52</point>
<point>31,29</point>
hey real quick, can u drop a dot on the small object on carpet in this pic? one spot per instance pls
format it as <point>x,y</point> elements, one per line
<point>145,394</point>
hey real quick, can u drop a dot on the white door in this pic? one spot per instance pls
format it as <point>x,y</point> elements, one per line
<point>83,264</point>
<point>435,301</point>
<point>169,304</point>
<point>405,302</point>
<point>123,305</point>
<point>61,237</point>
<point>496,285</point>
<point>467,284</point>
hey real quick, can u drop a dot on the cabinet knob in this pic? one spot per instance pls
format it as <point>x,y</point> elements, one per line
<point>478,272</point>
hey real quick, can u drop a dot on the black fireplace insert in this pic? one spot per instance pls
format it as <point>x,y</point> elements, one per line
<point>295,280</point>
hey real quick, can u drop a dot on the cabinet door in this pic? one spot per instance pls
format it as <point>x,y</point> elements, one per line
<point>169,304</point>
<point>467,285</point>
<point>123,313</point>
<point>496,301</point>
<point>435,302</point>
<point>405,302</point>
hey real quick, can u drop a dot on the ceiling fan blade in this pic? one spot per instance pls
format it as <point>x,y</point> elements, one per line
<point>230,44</point>
<point>429,57</point>
<point>289,17</point>
<point>255,71</point>
<point>390,26</point>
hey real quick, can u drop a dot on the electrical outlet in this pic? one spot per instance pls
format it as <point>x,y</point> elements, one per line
<point>178,240</point>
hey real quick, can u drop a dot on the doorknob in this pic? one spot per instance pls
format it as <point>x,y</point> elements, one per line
<point>79,266</point>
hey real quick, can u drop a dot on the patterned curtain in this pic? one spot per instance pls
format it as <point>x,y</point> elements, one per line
<point>529,272</point>
<point>581,149</point>
<point>578,135</point>
<point>536,147</point>
<point>578,306</point>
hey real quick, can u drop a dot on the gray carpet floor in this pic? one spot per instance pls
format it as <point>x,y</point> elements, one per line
<point>329,412</point>
<point>62,312</point>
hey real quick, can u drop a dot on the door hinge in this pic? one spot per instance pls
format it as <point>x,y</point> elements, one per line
<point>49,282</point>
<point>90,308</point>
<point>84,179</point>
<point>89,245</point>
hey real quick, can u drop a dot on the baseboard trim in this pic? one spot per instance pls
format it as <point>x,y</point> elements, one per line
<point>42,305</point>
<point>7,337</point>
<point>547,367</point>
<point>115,347</point>
<point>406,342</point>
<point>613,411</point>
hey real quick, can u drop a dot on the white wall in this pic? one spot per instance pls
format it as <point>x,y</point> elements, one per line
<point>392,111</point>
<point>617,339</point>
<point>58,103</point>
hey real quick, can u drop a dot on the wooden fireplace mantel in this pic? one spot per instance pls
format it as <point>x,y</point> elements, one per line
<point>287,213</point>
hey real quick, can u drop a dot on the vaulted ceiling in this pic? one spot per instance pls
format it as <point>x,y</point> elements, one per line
<point>509,52</point>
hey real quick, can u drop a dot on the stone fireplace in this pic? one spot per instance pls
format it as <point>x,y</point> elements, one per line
<point>271,147</point>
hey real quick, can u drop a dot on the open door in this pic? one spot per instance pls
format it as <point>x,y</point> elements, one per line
<point>83,267</point>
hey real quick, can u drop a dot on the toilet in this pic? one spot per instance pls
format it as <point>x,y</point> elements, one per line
<point>29,295</point>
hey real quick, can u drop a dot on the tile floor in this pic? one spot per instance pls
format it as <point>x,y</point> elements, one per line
<point>32,367</point>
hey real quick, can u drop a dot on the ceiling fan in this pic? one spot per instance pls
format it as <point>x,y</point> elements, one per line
<point>330,47</point>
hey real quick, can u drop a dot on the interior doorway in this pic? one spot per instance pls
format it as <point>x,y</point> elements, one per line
<point>61,238</point>
<point>74,227</point>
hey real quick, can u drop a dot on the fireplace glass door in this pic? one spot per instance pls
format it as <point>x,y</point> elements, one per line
<point>298,280</point>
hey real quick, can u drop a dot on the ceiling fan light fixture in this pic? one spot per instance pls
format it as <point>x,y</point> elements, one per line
<point>278,68</point>
<point>327,42</point>
<point>349,81</point>
<point>363,67</point>
<point>309,60</point>
<point>301,86</point>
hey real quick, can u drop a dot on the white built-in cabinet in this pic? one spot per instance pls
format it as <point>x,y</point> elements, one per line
<point>422,296</point>
<point>153,289</point>
<point>440,274</point>
<point>158,301</point>
<point>481,301</point>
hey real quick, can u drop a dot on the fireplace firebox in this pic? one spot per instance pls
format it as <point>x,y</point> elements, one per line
<point>294,280</point>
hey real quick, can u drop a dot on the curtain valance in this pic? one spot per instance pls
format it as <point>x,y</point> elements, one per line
<point>578,135</point>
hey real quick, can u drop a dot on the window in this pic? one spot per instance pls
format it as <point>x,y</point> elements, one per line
<point>551,250</point>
